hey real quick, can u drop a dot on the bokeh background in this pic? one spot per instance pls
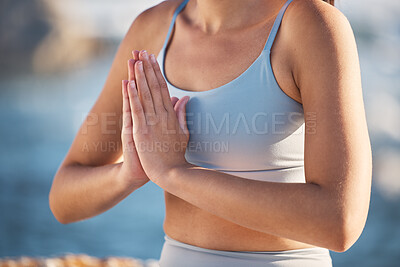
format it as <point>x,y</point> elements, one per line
<point>54,58</point>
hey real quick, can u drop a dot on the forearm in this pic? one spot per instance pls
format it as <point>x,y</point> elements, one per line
<point>80,192</point>
<point>298,211</point>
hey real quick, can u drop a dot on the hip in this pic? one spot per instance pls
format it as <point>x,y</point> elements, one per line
<point>175,253</point>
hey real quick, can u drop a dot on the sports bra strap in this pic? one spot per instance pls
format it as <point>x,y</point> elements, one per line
<point>171,26</point>
<point>276,25</point>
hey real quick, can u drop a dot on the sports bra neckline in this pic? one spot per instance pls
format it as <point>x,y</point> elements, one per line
<point>266,50</point>
<point>228,84</point>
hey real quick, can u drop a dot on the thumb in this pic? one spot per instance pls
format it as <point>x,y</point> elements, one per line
<point>174,99</point>
<point>180,109</point>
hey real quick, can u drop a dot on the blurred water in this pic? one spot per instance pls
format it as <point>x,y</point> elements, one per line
<point>40,115</point>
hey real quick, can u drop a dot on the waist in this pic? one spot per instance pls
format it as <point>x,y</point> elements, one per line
<point>176,253</point>
<point>192,225</point>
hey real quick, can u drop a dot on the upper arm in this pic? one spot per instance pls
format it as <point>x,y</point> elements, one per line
<point>98,141</point>
<point>326,69</point>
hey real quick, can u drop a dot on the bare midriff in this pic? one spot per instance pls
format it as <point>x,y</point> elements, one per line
<point>189,224</point>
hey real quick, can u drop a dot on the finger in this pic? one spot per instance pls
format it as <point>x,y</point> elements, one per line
<point>180,108</point>
<point>163,85</point>
<point>137,112</point>
<point>131,70</point>
<point>126,110</point>
<point>152,82</point>
<point>135,54</point>
<point>144,90</point>
<point>174,99</point>
<point>128,145</point>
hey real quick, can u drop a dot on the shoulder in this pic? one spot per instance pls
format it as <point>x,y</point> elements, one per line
<point>317,25</point>
<point>150,27</point>
<point>316,16</point>
<point>319,38</point>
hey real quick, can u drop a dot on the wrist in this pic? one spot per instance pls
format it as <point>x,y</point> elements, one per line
<point>174,174</point>
<point>127,179</point>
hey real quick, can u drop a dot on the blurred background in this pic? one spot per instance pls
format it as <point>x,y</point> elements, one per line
<point>54,58</point>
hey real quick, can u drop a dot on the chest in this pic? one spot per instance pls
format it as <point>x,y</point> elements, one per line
<point>248,123</point>
<point>199,62</point>
<point>237,107</point>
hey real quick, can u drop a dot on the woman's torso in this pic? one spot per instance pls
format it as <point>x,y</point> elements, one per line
<point>235,122</point>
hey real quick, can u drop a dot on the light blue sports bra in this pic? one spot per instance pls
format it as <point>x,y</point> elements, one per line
<point>248,127</point>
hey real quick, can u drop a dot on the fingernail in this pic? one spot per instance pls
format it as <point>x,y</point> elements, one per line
<point>134,53</point>
<point>153,58</point>
<point>132,85</point>
<point>140,64</point>
<point>144,54</point>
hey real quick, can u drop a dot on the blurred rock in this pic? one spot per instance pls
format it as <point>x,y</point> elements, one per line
<point>387,172</point>
<point>61,51</point>
<point>55,35</point>
<point>32,37</point>
<point>69,44</point>
<point>23,26</point>
<point>383,114</point>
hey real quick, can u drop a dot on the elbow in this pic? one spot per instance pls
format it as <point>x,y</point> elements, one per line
<point>346,232</point>
<point>59,216</point>
<point>55,209</point>
<point>343,242</point>
<point>62,220</point>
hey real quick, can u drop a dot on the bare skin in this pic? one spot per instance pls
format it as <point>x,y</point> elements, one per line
<point>315,62</point>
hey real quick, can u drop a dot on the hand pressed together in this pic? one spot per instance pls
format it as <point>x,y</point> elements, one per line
<point>154,124</point>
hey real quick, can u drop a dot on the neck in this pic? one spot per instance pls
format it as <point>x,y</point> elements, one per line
<point>213,16</point>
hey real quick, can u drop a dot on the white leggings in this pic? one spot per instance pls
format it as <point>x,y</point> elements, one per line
<point>178,254</point>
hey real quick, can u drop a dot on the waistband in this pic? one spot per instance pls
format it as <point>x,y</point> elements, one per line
<point>313,253</point>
